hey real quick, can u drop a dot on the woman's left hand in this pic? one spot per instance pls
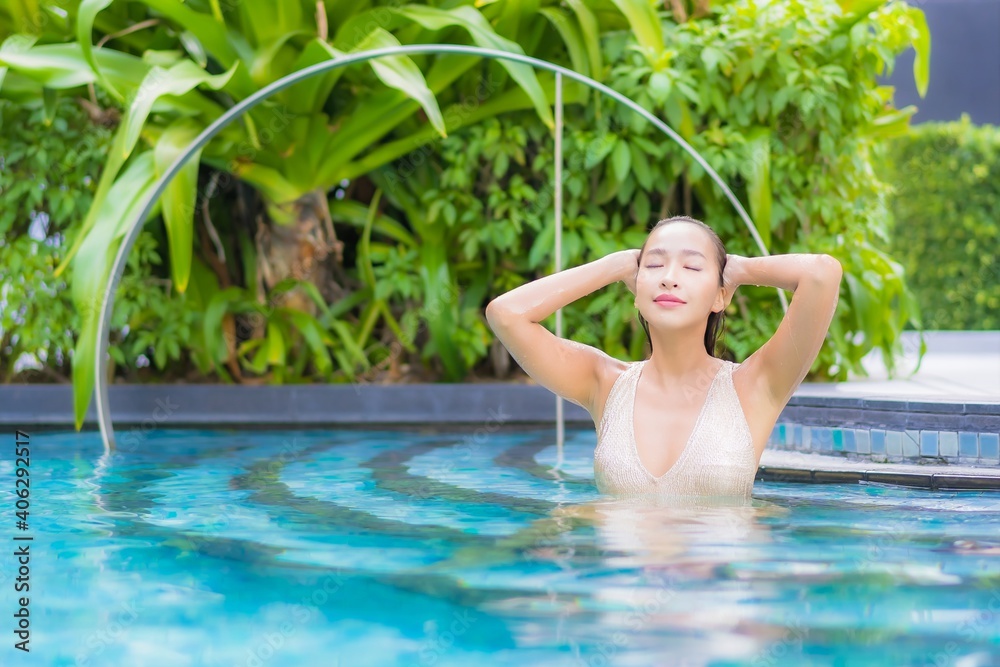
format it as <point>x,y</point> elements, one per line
<point>731,276</point>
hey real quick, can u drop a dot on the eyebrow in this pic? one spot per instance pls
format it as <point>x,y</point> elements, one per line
<point>684,251</point>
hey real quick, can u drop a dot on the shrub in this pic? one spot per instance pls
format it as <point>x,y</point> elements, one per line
<point>946,220</point>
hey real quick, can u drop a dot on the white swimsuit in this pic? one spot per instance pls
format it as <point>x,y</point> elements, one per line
<point>718,460</point>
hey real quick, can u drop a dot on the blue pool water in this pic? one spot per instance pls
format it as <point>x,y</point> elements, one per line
<point>420,548</point>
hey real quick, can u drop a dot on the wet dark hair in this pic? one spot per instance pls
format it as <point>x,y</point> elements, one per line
<point>716,321</point>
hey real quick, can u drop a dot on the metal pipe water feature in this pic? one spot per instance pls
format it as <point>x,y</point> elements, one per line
<point>560,420</point>
<point>135,225</point>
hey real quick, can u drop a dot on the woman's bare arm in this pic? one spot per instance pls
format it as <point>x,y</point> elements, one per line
<point>784,360</point>
<point>562,366</point>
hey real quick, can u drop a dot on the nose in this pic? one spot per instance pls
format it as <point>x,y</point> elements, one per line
<point>667,278</point>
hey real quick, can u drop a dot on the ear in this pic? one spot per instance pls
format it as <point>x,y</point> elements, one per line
<point>721,301</point>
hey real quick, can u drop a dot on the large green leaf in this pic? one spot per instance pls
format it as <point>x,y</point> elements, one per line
<point>570,36</point>
<point>26,16</point>
<point>591,36</point>
<point>84,354</point>
<point>63,66</point>
<point>922,46</point>
<point>215,311</point>
<point>85,16</point>
<point>645,26</point>
<point>211,33</point>
<point>313,334</point>
<point>179,79</point>
<point>310,95</point>
<point>484,36</point>
<point>457,116</point>
<point>14,44</point>
<point>271,183</point>
<point>275,345</point>
<point>262,69</point>
<point>758,175</point>
<point>178,202</point>
<point>401,73</point>
<point>226,46</point>
<point>264,21</point>
<point>376,116</point>
<point>123,202</point>
<point>92,269</point>
<point>356,214</point>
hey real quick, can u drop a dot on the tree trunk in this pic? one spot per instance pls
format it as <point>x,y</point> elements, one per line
<point>307,250</point>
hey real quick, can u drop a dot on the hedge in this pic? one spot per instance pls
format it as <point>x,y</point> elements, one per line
<point>945,225</point>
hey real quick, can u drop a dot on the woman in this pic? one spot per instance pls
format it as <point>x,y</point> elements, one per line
<point>683,422</point>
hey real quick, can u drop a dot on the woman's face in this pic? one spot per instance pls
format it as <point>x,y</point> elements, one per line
<point>679,260</point>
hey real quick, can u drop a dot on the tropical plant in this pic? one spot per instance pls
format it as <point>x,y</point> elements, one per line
<point>780,97</point>
<point>782,100</point>
<point>196,60</point>
<point>51,157</point>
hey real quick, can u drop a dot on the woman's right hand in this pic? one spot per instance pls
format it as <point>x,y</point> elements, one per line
<point>631,268</point>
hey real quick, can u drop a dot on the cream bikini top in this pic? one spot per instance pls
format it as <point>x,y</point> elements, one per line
<point>718,460</point>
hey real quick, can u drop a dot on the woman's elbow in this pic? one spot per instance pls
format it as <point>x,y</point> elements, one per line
<point>496,312</point>
<point>828,268</point>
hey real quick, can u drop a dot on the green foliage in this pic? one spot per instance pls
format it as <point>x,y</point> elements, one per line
<point>946,220</point>
<point>779,97</point>
<point>50,170</point>
<point>196,58</point>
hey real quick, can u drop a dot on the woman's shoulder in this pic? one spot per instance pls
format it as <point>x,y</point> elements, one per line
<point>612,369</point>
<point>610,372</point>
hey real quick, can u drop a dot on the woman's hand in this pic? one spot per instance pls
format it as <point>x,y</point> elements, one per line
<point>731,276</point>
<point>630,268</point>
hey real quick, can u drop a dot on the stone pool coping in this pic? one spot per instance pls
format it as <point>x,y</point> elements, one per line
<point>137,409</point>
<point>784,466</point>
<point>331,405</point>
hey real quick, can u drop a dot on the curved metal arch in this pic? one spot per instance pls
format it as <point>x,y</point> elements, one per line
<point>135,226</point>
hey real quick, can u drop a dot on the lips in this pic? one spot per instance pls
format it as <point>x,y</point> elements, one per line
<point>668,298</point>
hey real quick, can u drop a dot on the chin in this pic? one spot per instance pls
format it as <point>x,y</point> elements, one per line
<point>669,321</point>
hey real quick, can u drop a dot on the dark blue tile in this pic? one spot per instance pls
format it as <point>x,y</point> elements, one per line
<point>928,443</point>
<point>989,446</point>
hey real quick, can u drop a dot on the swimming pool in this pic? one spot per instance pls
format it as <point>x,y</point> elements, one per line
<point>394,547</point>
